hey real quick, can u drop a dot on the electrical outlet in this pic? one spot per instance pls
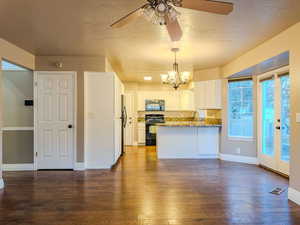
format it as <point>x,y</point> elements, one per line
<point>238,151</point>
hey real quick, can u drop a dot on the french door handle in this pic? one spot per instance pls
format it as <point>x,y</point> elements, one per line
<point>278,127</point>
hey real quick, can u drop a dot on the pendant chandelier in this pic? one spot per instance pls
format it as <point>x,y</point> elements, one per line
<point>174,77</point>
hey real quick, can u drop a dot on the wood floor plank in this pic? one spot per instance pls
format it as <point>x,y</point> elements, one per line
<point>142,190</point>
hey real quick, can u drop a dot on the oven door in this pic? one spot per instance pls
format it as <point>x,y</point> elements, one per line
<point>151,130</point>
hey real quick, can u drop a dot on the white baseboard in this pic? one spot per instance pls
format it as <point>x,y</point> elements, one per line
<point>239,159</point>
<point>79,166</point>
<point>214,156</point>
<point>294,195</point>
<point>1,183</point>
<point>97,167</point>
<point>18,167</point>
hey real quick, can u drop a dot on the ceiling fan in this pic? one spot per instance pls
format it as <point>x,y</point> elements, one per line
<point>164,12</point>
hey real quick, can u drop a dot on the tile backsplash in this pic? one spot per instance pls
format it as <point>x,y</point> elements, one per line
<point>173,116</point>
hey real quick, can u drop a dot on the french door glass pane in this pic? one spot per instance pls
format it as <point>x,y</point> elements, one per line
<point>268,114</point>
<point>285,118</point>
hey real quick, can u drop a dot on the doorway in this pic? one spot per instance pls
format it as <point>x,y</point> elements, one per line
<point>17,131</point>
<point>55,113</point>
<point>274,120</point>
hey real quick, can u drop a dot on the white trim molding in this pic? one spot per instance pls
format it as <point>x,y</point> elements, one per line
<point>79,166</point>
<point>17,128</point>
<point>239,159</point>
<point>97,167</point>
<point>294,195</point>
<point>1,183</point>
<point>18,167</point>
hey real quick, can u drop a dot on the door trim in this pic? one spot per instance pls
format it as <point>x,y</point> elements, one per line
<point>35,97</point>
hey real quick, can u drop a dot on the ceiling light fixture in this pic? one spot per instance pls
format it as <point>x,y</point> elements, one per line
<point>148,78</point>
<point>174,77</point>
<point>156,11</point>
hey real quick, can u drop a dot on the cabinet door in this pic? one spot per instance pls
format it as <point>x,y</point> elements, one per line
<point>118,94</point>
<point>199,91</point>
<point>218,93</point>
<point>141,101</point>
<point>117,137</point>
<point>208,94</point>
<point>208,142</point>
<point>187,100</point>
<point>141,133</point>
<point>172,99</point>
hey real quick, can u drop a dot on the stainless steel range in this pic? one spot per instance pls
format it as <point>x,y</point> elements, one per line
<point>151,121</point>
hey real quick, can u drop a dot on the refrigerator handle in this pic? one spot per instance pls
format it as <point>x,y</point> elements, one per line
<point>125,117</point>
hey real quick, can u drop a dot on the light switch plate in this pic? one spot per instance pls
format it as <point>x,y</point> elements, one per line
<point>298,117</point>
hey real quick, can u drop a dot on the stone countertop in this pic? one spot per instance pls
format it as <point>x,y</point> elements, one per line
<point>188,124</point>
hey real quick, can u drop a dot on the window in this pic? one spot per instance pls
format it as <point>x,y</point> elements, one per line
<point>9,66</point>
<point>240,109</point>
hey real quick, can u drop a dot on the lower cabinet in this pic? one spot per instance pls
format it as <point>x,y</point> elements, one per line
<point>188,142</point>
<point>141,133</point>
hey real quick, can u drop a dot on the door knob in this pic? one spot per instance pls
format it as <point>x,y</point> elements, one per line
<point>70,126</point>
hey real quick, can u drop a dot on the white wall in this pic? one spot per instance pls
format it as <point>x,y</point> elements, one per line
<point>18,56</point>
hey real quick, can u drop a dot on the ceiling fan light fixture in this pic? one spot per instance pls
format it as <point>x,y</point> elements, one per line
<point>173,14</point>
<point>177,3</point>
<point>153,15</point>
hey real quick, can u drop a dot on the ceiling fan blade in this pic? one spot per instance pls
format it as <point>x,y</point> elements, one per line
<point>174,29</point>
<point>128,18</point>
<point>217,7</point>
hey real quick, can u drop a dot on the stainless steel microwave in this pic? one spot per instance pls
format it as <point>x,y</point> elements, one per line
<point>155,105</point>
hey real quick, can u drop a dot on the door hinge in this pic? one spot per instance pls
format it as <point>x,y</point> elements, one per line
<point>36,84</point>
<point>36,154</point>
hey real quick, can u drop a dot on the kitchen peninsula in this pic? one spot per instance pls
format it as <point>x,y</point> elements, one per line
<point>188,140</point>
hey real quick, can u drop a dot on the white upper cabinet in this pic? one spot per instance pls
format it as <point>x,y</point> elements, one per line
<point>208,94</point>
<point>174,100</point>
<point>187,100</point>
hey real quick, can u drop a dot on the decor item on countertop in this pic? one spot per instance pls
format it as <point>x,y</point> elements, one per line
<point>164,12</point>
<point>201,114</point>
<point>174,77</point>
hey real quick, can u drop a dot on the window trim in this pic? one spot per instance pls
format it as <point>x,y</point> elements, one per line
<point>240,138</point>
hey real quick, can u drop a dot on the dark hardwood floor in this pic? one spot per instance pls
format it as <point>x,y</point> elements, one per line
<point>144,191</point>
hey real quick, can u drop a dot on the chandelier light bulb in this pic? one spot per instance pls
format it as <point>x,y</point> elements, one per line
<point>174,77</point>
<point>164,78</point>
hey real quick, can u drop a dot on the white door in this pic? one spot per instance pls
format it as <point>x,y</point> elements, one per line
<point>274,121</point>
<point>54,120</point>
<point>130,109</point>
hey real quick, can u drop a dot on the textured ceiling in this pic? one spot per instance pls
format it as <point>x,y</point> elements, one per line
<point>81,27</point>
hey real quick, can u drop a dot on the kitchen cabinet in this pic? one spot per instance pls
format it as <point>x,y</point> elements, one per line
<point>179,142</point>
<point>102,125</point>
<point>208,94</point>
<point>141,133</point>
<point>174,100</point>
<point>187,100</point>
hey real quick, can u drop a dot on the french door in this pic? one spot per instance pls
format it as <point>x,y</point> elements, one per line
<point>274,120</point>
